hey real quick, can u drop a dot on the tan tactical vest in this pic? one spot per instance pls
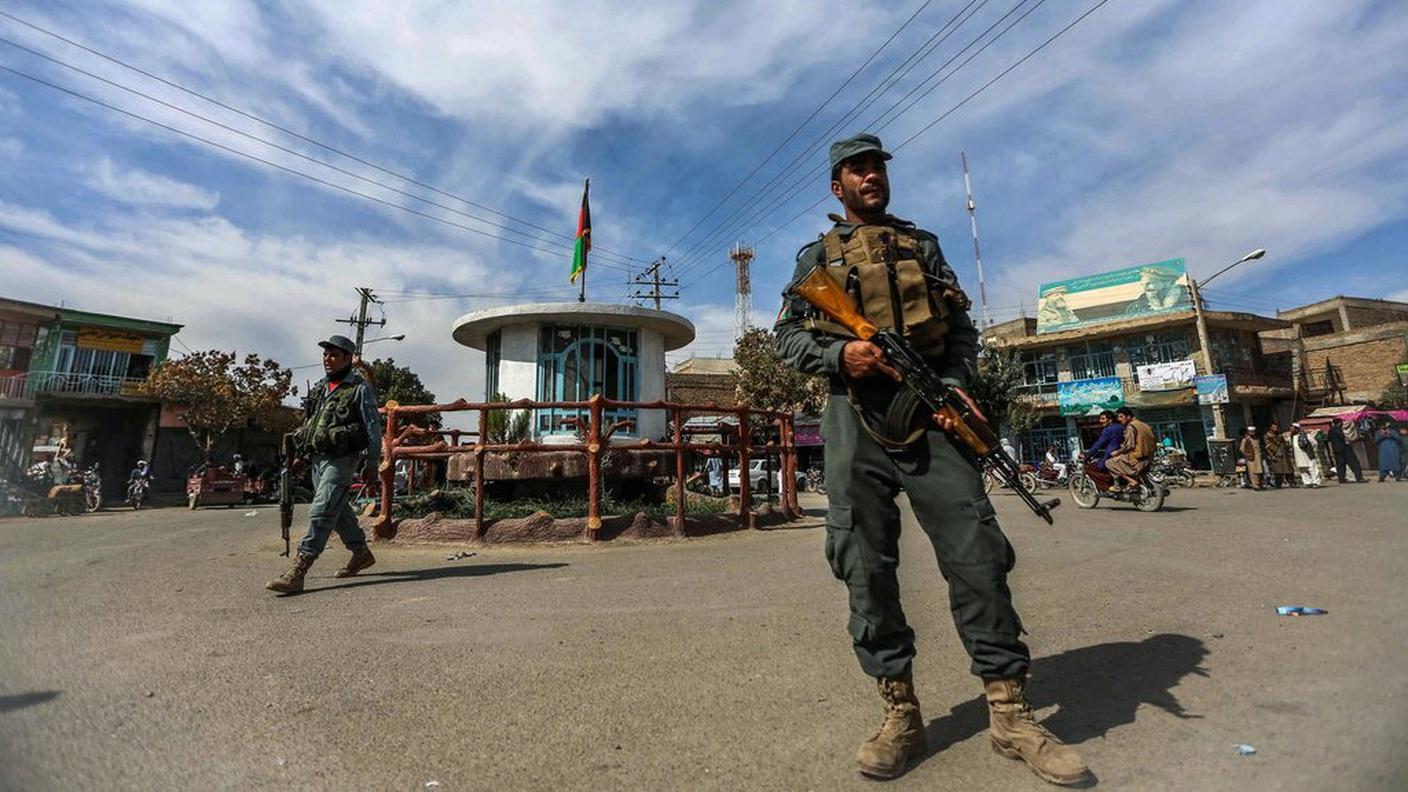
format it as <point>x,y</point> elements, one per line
<point>880,267</point>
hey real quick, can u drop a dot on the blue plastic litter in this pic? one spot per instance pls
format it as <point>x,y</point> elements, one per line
<point>1300,610</point>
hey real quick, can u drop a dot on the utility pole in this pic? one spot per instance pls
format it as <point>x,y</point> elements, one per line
<point>977,253</point>
<point>360,321</point>
<point>651,277</point>
<point>743,304</point>
<point>1219,416</point>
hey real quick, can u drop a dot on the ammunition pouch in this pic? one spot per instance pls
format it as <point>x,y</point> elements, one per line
<point>335,428</point>
<point>881,268</point>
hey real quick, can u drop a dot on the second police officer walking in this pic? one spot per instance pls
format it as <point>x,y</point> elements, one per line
<point>340,423</point>
<point>880,441</point>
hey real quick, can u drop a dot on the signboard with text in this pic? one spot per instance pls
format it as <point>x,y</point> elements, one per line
<point>1146,290</point>
<point>1211,389</point>
<point>113,340</point>
<point>1175,375</point>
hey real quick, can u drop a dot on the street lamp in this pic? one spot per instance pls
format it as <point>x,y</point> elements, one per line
<point>401,337</point>
<point>1219,419</point>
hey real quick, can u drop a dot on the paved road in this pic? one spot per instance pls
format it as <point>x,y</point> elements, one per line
<point>141,652</point>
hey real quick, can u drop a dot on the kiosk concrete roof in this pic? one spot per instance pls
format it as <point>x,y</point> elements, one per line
<point>473,329</point>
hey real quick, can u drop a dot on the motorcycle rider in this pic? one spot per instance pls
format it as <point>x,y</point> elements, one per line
<point>1111,436</point>
<point>141,476</point>
<point>1055,463</point>
<point>1135,451</point>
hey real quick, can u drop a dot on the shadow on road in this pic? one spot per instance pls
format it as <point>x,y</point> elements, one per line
<point>433,573</point>
<point>18,701</point>
<point>1096,688</point>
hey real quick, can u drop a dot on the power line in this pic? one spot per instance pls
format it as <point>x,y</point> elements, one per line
<point>761,194</point>
<point>771,190</point>
<point>945,114</point>
<point>273,144</point>
<point>285,130</point>
<point>800,184</point>
<point>284,168</point>
<point>799,128</point>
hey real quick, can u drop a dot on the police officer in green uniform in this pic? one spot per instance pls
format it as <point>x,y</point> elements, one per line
<point>340,422</point>
<point>879,441</point>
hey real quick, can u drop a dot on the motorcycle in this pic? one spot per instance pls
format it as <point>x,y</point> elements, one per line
<point>1047,476</point>
<point>1171,467</point>
<point>1026,474</point>
<point>1089,484</point>
<point>137,492</point>
<point>816,480</point>
<point>44,495</point>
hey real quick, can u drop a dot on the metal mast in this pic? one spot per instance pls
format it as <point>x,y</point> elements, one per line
<point>743,305</point>
<point>977,252</point>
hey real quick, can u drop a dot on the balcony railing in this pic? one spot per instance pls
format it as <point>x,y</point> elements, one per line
<point>27,386</point>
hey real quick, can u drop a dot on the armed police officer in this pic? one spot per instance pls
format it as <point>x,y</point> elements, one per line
<point>340,423</point>
<point>879,440</point>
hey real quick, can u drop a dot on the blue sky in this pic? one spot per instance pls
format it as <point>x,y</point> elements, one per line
<point>1152,130</point>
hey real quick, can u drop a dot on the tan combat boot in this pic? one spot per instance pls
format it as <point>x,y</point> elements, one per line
<point>1016,735</point>
<point>291,582</point>
<point>361,559</point>
<point>901,737</point>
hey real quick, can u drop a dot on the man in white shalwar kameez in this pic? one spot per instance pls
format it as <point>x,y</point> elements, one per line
<point>1303,449</point>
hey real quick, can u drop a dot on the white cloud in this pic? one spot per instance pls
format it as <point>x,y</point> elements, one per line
<point>275,295</point>
<point>542,65</point>
<point>139,187</point>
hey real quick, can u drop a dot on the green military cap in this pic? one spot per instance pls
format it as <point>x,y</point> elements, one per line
<point>858,143</point>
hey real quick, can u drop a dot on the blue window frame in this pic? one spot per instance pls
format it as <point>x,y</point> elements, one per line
<point>577,361</point>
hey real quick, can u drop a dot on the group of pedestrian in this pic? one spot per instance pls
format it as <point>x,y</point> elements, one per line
<point>1301,458</point>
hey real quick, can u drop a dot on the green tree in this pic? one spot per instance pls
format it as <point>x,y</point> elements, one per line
<point>995,389</point>
<point>506,426</point>
<point>214,392</point>
<point>404,386</point>
<point>767,383</point>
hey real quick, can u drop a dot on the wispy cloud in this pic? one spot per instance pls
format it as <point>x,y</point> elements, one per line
<point>140,188</point>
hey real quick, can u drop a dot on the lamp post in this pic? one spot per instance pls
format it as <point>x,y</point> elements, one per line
<point>1219,418</point>
<point>401,337</point>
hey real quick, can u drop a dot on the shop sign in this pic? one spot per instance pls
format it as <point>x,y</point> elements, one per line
<point>1211,389</point>
<point>1090,396</point>
<point>1176,375</point>
<point>114,340</point>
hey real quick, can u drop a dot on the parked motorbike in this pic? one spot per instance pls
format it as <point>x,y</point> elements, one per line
<point>816,480</point>
<point>44,495</point>
<point>1171,468</point>
<point>1089,484</point>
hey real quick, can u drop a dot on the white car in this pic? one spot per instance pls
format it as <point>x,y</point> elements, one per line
<point>757,476</point>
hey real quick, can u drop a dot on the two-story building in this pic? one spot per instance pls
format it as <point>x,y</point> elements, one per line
<point>1343,349</point>
<point>80,381</point>
<point>1130,337</point>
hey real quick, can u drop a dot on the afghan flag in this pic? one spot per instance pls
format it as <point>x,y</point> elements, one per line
<point>584,236</point>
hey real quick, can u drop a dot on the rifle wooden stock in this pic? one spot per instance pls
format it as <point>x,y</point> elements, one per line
<point>827,296</point>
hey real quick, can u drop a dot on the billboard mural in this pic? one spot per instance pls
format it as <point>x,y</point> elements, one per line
<point>1146,290</point>
<point>1089,396</point>
<point>1211,389</point>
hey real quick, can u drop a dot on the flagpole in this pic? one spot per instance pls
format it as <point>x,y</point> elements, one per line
<point>582,295</point>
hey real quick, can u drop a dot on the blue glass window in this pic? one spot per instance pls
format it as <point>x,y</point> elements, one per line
<point>577,361</point>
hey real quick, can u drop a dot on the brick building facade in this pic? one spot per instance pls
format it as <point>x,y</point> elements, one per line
<point>1348,346</point>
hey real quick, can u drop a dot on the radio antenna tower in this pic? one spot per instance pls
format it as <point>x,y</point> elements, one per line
<point>977,252</point>
<point>743,305</point>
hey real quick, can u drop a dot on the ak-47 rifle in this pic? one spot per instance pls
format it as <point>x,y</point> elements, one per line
<point>288,479</point>
<point>826,295</point>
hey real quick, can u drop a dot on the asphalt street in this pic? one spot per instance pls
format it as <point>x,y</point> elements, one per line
<point>141,652</point>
